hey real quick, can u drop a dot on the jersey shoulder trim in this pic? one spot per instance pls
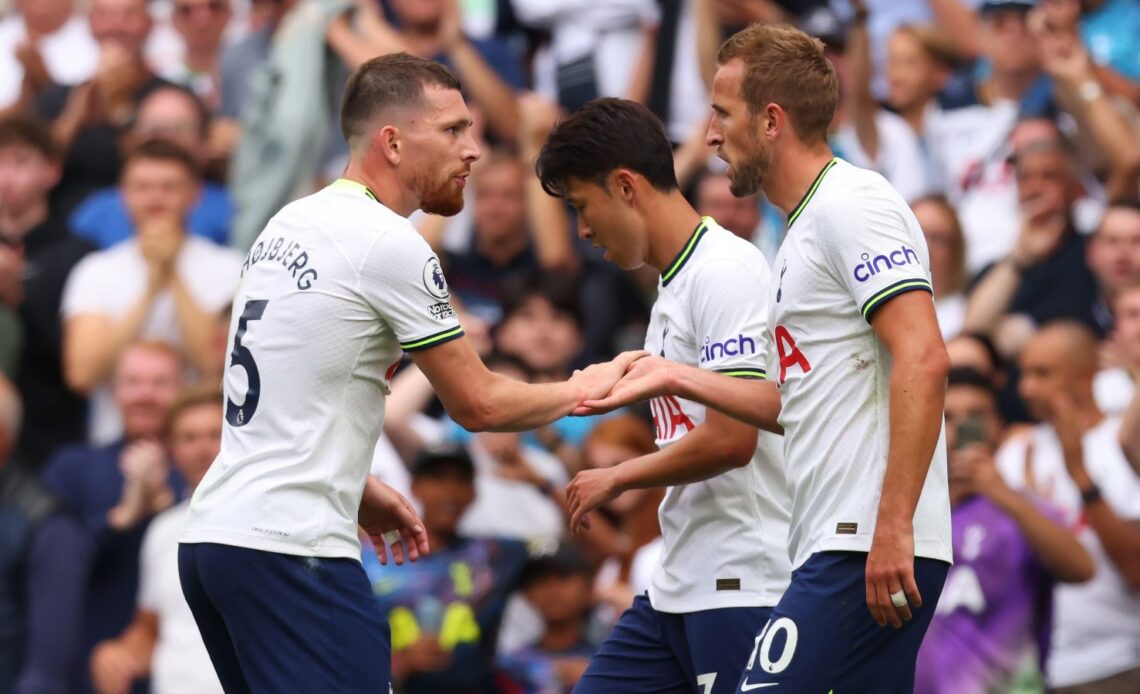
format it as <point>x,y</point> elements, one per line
<point>881,297</point>
<point>433,340</point>
<point>799,208</point>
<point>687,252</point>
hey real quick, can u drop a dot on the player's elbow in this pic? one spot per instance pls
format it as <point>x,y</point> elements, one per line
<point>1131,574</point>
<point>736,449</point>
<point>1078,569</point>
<point>474,416</point>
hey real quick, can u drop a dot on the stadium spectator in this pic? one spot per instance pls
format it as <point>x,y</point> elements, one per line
<point>444,610</point>
<point>558,584</point>
<point>500,248</point>
<point>862,132</point>
<point>919,64</point>
<point>162,641</point>
<point>947,249</point>
<point>162,284</point>
<point>41,44</point>
<point>1074,461</point>
<point>86,118</point>
<point>202,26</point>
<point>174,115</point>
<point>115,490</point>
<point>39,252</point>
<point>991,624</point>
<point>1114,258</point>
<point>1045,275</point>
<point>40,547</point>
<point>741,216</point>
<point>1110,29</point>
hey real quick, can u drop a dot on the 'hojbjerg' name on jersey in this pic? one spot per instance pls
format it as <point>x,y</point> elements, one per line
<point>724,539</point>
<point>333,292</point>
<point>852,245</point>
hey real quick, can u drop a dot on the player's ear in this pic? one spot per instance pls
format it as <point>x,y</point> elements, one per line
<point>390,143</point>
<point>623,184</point>
<point>775,120</point>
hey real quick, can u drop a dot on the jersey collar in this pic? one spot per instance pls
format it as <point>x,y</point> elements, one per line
<point>687,252</point>
<point>349,184</point>
<point>810,191</point>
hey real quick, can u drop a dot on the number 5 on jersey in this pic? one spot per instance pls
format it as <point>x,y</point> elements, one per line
<point>239,415</point>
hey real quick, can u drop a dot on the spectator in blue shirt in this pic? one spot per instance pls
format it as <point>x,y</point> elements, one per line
<point>178,116</point>
<point>115,490</point>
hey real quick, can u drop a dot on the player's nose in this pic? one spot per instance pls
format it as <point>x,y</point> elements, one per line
<point>713,135</point>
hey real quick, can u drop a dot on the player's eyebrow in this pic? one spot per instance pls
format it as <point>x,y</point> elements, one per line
<point>718,109</point>
<point>461,123</point>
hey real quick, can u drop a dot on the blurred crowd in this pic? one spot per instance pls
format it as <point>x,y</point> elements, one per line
<point>143,146</point>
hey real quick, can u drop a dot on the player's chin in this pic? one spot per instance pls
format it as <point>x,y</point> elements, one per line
<point>443,204</point>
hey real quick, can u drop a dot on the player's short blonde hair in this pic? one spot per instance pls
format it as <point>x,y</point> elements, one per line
<point>786,67</point>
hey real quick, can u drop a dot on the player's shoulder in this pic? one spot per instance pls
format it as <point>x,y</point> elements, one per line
<point>344,206</point>
<point>722,252</point>
<point>850,196</point>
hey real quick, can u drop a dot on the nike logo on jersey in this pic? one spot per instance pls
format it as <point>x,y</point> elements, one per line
<point>747,686</point>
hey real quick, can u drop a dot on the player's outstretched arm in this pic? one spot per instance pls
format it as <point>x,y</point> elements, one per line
<point>480,400</point>
<point>907,326</point>
<point>754,402</point>
<point>718,445</point>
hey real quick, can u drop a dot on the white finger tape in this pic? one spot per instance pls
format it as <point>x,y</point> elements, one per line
<point>898,599</point>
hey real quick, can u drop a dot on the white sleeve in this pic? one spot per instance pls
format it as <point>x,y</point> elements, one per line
<point>402,279</point>
<point>730,317</point>
<point>878,252</point>
<point>81,292</point>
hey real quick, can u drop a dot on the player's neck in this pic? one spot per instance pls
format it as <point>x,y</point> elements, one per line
<point>671,221</point>
<point>793,172</point>
<point>385,186</point>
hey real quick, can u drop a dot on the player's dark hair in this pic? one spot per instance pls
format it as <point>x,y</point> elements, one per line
<point>969,377</point>
<point>20,129</point>
<point>164,150</point>
<point>397,79</point>
<point>786,67</point>
<point>604,135</point>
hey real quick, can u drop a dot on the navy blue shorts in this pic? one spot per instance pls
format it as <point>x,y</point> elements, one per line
<point>651,652</point>
<point>280,623</point>
<point>821,636</point>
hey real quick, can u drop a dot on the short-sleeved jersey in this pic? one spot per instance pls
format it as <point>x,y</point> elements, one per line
<point>724,539</point>
<point>852,245</point>
<point>333,291</point>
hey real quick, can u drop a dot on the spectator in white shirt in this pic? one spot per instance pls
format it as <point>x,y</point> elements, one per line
<point>162,284</point>
<point>1074,460</point>
<point>45,42</point>
<point>947,247</point>
<point>163,640</point>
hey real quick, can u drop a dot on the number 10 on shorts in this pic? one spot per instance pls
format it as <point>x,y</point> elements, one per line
<point>763,647</point>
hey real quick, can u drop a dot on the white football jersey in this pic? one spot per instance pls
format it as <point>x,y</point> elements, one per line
<point>332,293</point>
<point>724,539</point>
<point>852,245</point>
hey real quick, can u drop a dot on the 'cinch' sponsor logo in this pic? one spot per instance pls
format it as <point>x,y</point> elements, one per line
<point>733,346</point>
<point>903,255</point>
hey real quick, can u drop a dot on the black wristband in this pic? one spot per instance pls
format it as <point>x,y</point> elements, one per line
<point>1091,495</point>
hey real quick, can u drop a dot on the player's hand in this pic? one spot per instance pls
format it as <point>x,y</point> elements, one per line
<point>598,379</point>
<point>114,668</point>
<point>890,569</point>
<point>590,489</point>
<point>646,378</point>
<point>391,521</point>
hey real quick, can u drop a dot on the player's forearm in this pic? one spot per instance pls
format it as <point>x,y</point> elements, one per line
<point>752,401</point>
<point>702,454</point>
<point>510,405</point>
<point>1056,546</point>
<point>918,390</point>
